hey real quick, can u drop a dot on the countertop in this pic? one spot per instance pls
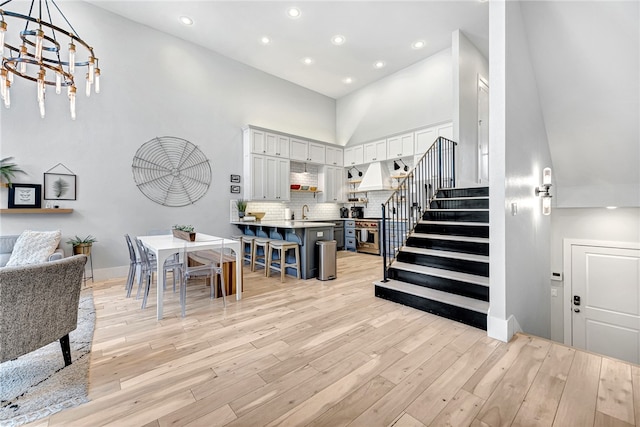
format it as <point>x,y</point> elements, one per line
<point>287,224</point>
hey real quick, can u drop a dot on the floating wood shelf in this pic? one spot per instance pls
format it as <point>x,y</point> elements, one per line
<point>35,211</point>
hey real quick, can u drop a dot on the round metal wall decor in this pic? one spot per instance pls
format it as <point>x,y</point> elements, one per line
<point>171,171</point>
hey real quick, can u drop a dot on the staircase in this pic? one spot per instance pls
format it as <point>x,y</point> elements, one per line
<point>443,268</point>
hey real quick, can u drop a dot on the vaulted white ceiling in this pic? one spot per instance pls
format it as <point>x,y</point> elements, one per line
<point>374,31</point>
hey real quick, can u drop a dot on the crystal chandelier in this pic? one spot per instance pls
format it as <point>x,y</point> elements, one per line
<point>36,53</point>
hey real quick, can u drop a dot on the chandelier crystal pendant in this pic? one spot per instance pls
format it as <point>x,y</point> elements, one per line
<point>31,49</point>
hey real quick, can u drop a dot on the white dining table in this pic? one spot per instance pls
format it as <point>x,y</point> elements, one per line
<point>165,246</point>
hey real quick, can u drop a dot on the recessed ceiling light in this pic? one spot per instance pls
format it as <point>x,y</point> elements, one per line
<point>265,40</point>
<point>307,61</point>
<point>418,44</point>
<point>612,207</point>
<point>186,20</point>
<point>347,80</point>
<point>338,39</point>
<point>294,12</point>
<point>379,64</point>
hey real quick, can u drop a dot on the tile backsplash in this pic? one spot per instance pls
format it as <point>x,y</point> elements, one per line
<point>317,210</point>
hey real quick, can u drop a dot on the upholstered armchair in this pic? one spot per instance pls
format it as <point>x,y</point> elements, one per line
<point>39,305</point>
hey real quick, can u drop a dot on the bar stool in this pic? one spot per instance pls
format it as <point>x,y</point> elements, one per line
<point>246,243</point>
<point>258,258</point>
<point>281,247</point>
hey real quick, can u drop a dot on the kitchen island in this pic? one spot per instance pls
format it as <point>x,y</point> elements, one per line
<point>305,233</point>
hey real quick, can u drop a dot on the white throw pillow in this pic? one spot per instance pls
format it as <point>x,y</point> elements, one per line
<point>34,247</point>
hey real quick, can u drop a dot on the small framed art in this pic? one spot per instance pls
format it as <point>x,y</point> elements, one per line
<point>59,186</point>
<point>25,196</point>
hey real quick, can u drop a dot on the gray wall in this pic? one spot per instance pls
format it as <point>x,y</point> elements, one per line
<point>416,96</point>
<point>468,65</point>
<point>169,87</point>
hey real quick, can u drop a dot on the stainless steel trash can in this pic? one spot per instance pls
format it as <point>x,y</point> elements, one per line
<point>326,259</point>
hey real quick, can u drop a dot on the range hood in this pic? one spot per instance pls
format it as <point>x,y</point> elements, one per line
<point>376,178</point>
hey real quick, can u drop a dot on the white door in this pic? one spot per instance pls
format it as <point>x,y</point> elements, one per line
<point>483,131</point>
<point>605,300</point>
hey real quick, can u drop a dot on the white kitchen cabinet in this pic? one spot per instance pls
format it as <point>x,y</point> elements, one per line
<point>334,156</point>
<point>306,151</point>
<point>332,178</point>
<point>353,156</point>
<point>268,178</point>
<point>277,145</point>
<point>375,151</point>
<point>270,144</point>
<point>400,146</point>
<point>424,138</point>
<point>317,153</point>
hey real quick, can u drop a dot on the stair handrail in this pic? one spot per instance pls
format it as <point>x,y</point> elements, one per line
<point>404,208</point>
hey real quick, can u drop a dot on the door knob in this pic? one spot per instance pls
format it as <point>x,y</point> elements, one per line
<point>577,310</point>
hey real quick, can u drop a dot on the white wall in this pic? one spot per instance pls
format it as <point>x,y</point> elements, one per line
<point>413,97</point>
<point>618,225</point>
<point>521,241</point>
<point>169,87</point>
<point>468,65</point>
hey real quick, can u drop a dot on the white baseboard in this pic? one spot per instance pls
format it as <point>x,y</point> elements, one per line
<point>111,273</point>
<point>502,329</point>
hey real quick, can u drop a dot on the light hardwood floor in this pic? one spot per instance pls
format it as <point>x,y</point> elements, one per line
<point>311,353</point>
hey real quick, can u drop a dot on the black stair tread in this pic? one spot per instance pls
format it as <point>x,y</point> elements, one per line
<point>461,198</point>
<point>446,254</point>
<point>450,237</point>
<point>435,295</point>
<point>458,210</point>
<point>464,223</point>
<point>438,272</point>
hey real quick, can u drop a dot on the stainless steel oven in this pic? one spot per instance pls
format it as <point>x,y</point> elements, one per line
<point>368,236</point>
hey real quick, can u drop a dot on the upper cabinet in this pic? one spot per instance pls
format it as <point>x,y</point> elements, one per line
<point>353,156</point>
<point>400,146</point>
<point>334,156</point>
<point>333,181</point>
<point>424,138</point>
<point>375,151</point>
<point>306,151</point>
<point>271,144</point>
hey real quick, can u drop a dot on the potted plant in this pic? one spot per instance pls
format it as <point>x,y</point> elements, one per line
<point>82,245</point>
<point>8,170</point>
<point>184,232</point>
<point>242,207</point>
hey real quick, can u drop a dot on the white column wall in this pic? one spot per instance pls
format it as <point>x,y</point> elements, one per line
<point>153,85</point>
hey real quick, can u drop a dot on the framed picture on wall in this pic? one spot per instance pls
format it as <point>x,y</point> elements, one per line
<point>59,186</point>
<point>23,196</point>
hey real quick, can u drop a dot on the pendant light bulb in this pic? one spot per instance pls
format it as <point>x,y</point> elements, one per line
<point>3,82</point>
<point>96,80</point>
<point>72,101</point>
<point>72,58</point>
<point>23,55</point>
<point>88,85</point>
<point>7,95</point>
<point>3,31</point>
<point>42,112</point>
<point>92,69</point>
<point>58,82</point>
<point>39,40</point>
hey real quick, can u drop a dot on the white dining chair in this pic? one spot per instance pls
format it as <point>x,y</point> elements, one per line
<point>212,269</point>
<point>148,267</point>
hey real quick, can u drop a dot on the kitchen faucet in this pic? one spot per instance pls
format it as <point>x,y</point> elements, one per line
<point>304,216</point>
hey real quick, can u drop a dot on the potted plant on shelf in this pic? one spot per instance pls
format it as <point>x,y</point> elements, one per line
<point>242,207</point>
<point>184,232</point>
<point>8,171</point>
<point>82,245</point>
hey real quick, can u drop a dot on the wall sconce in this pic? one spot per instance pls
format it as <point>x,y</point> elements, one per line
<point>349,175</point>
<point>543,191</point>
<point>396,166</point>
